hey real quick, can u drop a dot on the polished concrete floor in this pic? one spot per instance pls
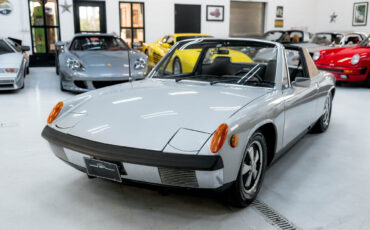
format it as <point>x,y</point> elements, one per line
<point>321,183</point>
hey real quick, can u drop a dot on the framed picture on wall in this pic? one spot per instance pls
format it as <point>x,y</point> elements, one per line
<point>359,17</point>
<point>279,11</point>
<point>215,13</point>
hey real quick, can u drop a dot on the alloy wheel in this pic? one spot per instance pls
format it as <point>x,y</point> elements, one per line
<point>252,168</point>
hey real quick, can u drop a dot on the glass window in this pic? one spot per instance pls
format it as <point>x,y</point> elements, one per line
<point>132,22</point>
<point>44,25</point>
<point>36,13</point>
<point>98,43</point>
<point>125,14</point>
<point>51,13</point>
<point>137,15</point>
<point>38,35</point>
<point>52,37</point>
<point>327,38</point>
<point>234,62</point>
<point>16,46</point>
<point>4,48</point>
<point>89,18</point>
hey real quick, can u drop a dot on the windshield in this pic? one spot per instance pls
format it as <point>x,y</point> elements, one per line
<point>220,61</point>
<point>98,43</point>
<point>365,42</point>
<point>291,37</point>
<point>180,38</point>
<point>272,35</point>
<point>4,48</point>
<point>327,38</point>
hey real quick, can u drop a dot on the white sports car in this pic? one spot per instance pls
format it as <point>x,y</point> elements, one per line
<point>13,64</point>
<point>217,126</point>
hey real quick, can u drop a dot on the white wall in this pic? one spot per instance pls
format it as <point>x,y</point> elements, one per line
<point>160,17</point>
<point>16,24</point>
<point>297,13</point>
<point>344,10</point>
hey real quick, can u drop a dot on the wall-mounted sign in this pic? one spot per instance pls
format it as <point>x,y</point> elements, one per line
<point>279,23</point>
<point>359,17</point>
<point>279,11</point>
<point>66,7</point>
<point>333,17</point>
<point>215,13</point>
<point>6,7</point>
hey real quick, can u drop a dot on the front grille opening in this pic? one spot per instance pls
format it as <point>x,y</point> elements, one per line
<point>178,177</point>
<point>6,86</point>
<point>80,84</point>
<point>101,84</point>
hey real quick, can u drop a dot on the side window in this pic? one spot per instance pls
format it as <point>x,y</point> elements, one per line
<point>295,64</point>
<point>16,46</point>
<point>352,39</point>
<point>170,40</point>
<point>296,37</point>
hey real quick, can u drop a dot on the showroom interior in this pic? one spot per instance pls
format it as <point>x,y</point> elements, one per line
<point>125,114</point>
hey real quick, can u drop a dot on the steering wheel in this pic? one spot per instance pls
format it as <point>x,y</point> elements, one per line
<point>256,75</point>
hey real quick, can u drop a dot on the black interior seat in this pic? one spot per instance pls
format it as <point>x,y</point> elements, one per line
<point>220,66</point>
<point>270,71</point>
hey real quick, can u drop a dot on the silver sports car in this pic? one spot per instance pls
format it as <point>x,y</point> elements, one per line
<point>93,61</point>
<point>217,126</point>
<point>14,61</point>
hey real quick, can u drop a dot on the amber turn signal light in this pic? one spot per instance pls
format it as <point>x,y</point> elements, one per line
<point>234,141</point>
<point>219,138</point>
<point>55,112</point>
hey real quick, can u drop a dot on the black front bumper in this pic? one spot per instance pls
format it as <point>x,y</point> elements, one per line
<point>117,153</point>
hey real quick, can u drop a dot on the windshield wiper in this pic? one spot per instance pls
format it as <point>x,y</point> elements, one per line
<point>202,77</point>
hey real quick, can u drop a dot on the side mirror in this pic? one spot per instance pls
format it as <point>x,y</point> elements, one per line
<point>59,46</point>
<point>25,48</point>
<point>302,82</point>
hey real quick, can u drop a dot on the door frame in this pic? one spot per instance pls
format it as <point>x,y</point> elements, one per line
<point>200,15</point>
<point>76,20</point>
<point>47,58</point>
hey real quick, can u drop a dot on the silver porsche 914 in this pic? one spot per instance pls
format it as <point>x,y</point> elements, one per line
<point>217,125</point>
<point>92,61</point>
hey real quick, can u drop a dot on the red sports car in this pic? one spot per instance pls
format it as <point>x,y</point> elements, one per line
<point>346,63</point>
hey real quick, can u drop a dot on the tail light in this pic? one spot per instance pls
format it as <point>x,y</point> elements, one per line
<point>55,112</point>
<point>219,138</point>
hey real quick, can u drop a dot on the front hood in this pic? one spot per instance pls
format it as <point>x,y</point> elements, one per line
<point>146,114</point>
<point>103,59</point>
<point>341,56</point>
<point>11,60</point>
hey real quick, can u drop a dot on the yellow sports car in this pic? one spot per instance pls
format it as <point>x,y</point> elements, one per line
<point>183,61</point>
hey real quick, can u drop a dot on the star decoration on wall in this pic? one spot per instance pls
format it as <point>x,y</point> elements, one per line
<point>333,17</point>
<point>66,6</point>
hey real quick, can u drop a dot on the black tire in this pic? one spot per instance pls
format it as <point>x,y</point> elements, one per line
<point>176,64</point>
<point>367,82</point>
<point>24,80</point>
<point>323,123</point>
<point>240,194</point>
